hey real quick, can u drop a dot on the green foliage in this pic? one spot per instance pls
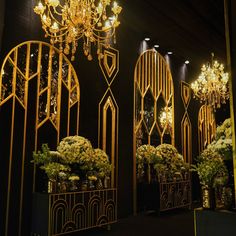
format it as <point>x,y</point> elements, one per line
<point>56,170</point>
<point>43,156</point>
<point>211,169</point>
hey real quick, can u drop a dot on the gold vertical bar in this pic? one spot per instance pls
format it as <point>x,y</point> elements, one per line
<point>232,98</point>
<point>113,133</point>
<point>49,82</point>
<point>143,75</point>
<point>146,71</point>
<point>69,94</point>
<point>11,142</point>
<point>59,96</point>
<point>149,69</point>
<point>104,128</point>
<point>24,138</point>
<point>37,108</point>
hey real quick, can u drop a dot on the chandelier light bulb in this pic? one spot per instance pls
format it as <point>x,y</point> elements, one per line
<point>165,119</point>
<point>65,22</point>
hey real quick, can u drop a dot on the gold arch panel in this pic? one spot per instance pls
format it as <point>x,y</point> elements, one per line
<point>34,78</point>
<point>153,91</point>
<point>206,127</point>
<point>186,126</point>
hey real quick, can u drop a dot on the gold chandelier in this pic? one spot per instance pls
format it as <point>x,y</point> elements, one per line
<point>211,86</point>
<point>165,119</point>
<point>67,21</point>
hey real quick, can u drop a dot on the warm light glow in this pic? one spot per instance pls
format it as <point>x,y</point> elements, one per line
<point>67,21</point>
<point>165,119</point>
<point>211,86</point>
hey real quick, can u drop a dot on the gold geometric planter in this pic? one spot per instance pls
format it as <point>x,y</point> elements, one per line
<point>208,197</point>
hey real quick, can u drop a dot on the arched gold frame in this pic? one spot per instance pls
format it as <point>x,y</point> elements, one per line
<point>14,85</point>
<point>206,127</point>
<point>152,74</point>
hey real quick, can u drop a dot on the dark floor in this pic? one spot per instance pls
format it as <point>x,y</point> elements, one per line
<point>172,223</point>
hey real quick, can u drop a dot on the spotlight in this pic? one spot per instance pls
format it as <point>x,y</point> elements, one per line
<point>156,46</point>
<point>169,52</point>
<point>187,62</point>
<point>147,39</point>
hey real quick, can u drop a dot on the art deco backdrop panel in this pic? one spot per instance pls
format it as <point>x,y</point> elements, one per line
<point>153,92</point>
<point>186,125</point>
<point>108,111</point>
<point>34,79</point>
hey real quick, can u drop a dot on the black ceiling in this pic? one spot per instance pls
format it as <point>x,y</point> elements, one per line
<point>192,29</point>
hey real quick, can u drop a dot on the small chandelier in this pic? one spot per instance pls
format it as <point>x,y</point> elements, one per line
<point>165,119</point>
<point>211,86</point>
<point>67,21</point>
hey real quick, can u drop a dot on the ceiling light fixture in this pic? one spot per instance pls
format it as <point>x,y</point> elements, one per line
<point>156,46</point>
<point>211,86</point>
<point>67,21</point>
<point>169,52</point>
<point>187,62</point>
<point>147,39</point>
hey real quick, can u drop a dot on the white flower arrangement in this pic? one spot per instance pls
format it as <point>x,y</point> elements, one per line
<point>76,149</point>
<point>102,164</point>
<point>223,142</point>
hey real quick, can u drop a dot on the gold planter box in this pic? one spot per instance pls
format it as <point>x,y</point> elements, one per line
<point>61,213</point>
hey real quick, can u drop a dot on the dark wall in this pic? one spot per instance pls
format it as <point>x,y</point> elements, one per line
<point>2,11</point>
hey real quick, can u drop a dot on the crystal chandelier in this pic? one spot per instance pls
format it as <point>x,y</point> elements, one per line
<point>165,119</point>
<point>211,86</point>
<point>67,21</point>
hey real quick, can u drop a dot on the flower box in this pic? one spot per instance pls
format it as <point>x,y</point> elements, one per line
<point>63,213</point>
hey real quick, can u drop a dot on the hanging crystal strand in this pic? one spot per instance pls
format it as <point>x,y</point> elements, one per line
<point>114,37</point>
<point>89,51</point>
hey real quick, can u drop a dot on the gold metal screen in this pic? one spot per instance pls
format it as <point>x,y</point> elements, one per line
<point>206,127</point>
<point>108,111</point>
<point>34,79</point>
<point>153,90</point>
<point>186,126</point>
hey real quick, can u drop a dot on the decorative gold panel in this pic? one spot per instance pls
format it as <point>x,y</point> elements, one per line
<point>153,91</point>
<point>72,212</point>
<point>186,127</point>
<point>206,127</point>
<point>109,64</point>
<point>108,110</point>
<point>34,78</point>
